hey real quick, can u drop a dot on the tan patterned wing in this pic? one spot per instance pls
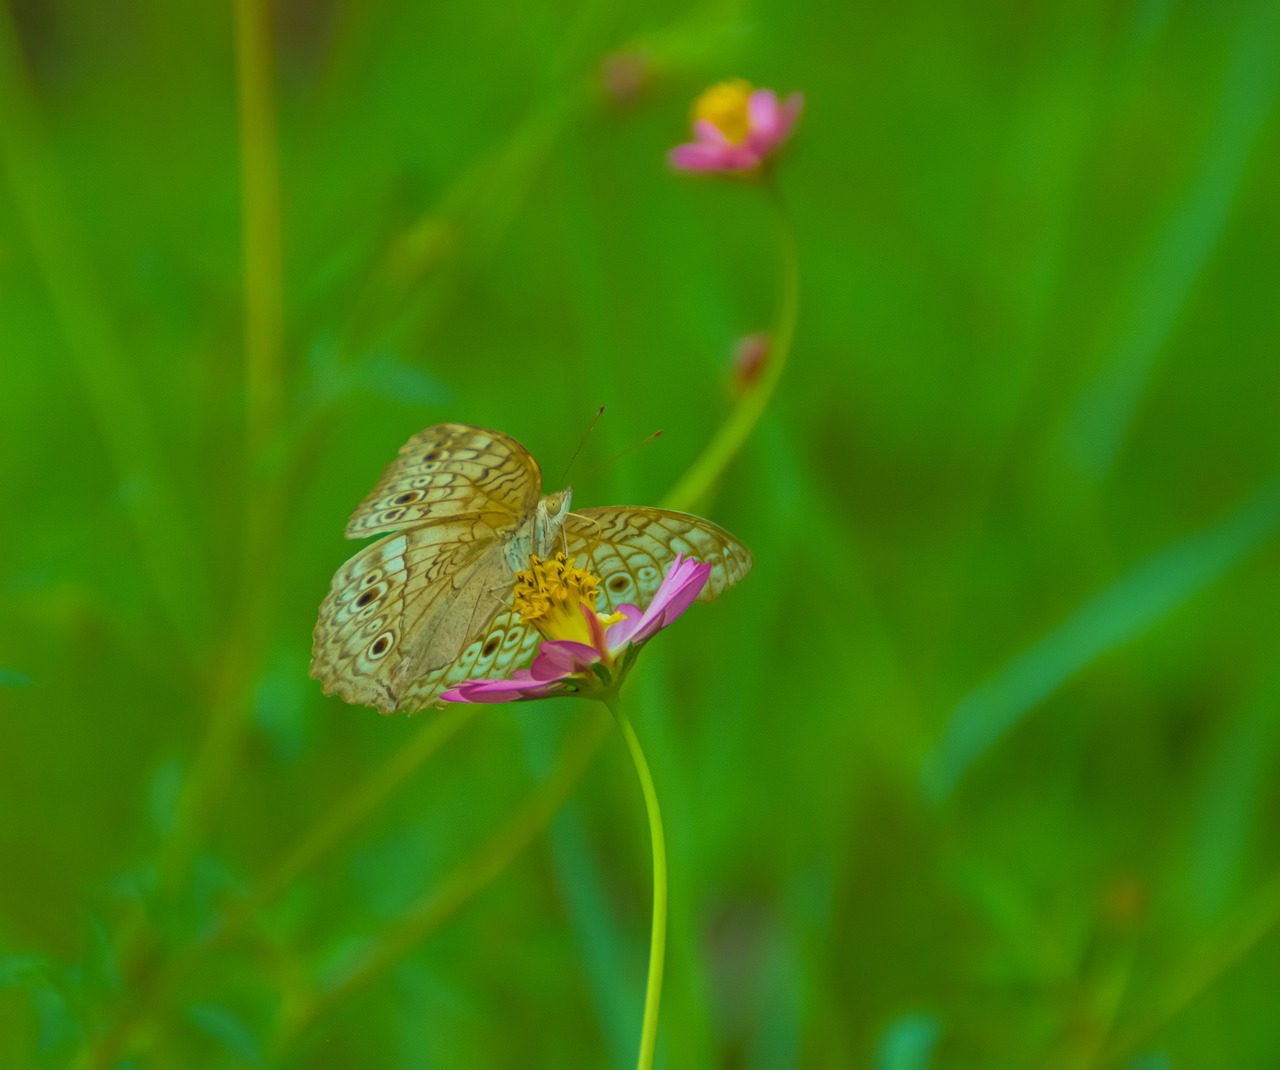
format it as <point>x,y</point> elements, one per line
<point>448,470</point>
<point>406,612</point>
<point>630,547</point>
<point>509,644</point>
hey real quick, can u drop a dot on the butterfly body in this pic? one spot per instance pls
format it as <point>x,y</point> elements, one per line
<point>461,511</point>
<point>539,534</point>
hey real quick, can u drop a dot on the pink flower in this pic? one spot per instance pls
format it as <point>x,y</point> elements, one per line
<point>736,128</point>
<point>572,667</point>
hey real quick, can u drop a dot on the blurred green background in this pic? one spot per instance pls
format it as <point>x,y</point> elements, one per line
<point>978,767</point>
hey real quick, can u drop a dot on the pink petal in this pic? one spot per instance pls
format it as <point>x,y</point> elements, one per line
<point>491,691</point>
<point>698,157</point>
<point>595,628</point>
<point>764,118</point>
<point>679,590</point>
<point>791,109</point>
<point>770,122</point>
<point>707,133</point>
<point>620,634</point>
<point>559,658</point>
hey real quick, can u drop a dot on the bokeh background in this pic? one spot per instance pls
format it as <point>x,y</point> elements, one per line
<point>976,770</point>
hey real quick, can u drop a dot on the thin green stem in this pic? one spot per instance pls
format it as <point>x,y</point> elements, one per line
<point>110,383</point>
<point>658,935</point>
<point>260,193</point>
<point>218,753</point>
<point>714,459</point>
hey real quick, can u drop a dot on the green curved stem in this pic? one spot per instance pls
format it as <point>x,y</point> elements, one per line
<point>658,935</point>
<point>715,458</point>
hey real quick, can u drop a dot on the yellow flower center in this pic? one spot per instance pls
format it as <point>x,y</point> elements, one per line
<point>549,594</point>
<point>725,106</point>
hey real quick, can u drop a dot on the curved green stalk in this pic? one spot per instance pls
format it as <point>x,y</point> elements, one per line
<point>715,458</point>
<point>658,934</point>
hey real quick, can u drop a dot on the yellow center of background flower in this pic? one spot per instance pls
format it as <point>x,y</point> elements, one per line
<point>549,593</point>
<point>725,105</point>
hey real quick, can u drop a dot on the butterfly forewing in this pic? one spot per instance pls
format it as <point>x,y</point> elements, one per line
<point>450,470</point>
<point>629,548</point>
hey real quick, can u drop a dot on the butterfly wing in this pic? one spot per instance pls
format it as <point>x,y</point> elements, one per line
<point>508,644</point>
<point>630,547</point>
<point>408,613</point>
<point>450,470</point>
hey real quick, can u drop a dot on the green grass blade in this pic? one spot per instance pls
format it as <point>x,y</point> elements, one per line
<point>1123,611</point>
<point>1096,431</point>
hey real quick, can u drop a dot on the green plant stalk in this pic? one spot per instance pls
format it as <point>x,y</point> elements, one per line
<point>260,195</point>
<point>658,933</point>
<point>733,433</point>
<point>232,676</point>
<point>138,456</point>
<point>263,370</point>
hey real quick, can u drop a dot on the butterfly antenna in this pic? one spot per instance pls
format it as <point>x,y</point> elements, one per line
<point>618,456</point>
<point>581,442</point>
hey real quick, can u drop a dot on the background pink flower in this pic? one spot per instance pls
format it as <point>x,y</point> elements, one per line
<point>736,128</point>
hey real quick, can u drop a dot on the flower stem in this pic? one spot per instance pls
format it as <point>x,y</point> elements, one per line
<point>715,458</point>
<point>262,535</point>
<point>260,192</point>
<point>658,936</point>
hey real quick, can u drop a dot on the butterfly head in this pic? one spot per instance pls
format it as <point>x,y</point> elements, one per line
<point>557,504</point>
<point>552,511</point>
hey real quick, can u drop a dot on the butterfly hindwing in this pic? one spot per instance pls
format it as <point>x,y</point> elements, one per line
<point>630,547</point>
<point>449,470</point>
<point>507,645</point>
<point>385,604</point>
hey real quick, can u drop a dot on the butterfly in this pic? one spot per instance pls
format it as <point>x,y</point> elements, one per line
<point>461,511</point>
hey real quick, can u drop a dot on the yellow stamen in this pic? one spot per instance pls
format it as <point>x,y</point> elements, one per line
<point>549,595</point>
<point>725,106</point>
